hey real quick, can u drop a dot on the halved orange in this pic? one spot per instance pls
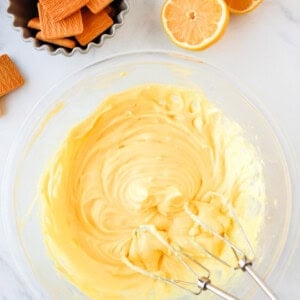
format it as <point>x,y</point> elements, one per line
<point>242,6</point>
<point>194,24</point>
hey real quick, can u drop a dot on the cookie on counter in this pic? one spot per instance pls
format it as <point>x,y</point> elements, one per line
<point>10,77</point>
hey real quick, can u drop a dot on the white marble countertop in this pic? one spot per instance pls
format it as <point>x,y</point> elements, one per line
<point>262,49</point>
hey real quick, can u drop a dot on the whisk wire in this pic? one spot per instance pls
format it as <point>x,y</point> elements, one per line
<point>177,253</point>
<point>244,263</point>
<point>210,254</point>
<point>201,282</point>
<point>239,254</point>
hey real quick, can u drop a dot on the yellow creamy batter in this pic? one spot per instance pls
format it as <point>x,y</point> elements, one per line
<point>139,159</point>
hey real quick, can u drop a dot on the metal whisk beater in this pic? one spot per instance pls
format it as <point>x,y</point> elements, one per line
<point>202,282</point>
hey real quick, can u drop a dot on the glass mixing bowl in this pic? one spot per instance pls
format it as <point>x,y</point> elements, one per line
<point>75,98</point>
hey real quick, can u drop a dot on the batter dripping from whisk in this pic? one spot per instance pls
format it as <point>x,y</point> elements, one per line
<point>139,159</point>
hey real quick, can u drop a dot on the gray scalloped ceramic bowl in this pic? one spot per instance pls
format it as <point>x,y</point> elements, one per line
<point>22,11</point>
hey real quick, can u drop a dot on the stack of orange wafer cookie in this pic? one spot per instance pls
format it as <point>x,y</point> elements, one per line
<point>69,23</point>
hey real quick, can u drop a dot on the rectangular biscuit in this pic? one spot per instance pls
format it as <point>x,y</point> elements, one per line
<point>96,6</point>
<point>34,23</point>
<point>93,25</point>
<point>10,77</point>
<point>60,9</point>
<point>69,26</point>
<point>67,43</point>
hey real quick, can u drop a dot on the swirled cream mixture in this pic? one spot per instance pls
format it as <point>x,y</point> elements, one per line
<point>142,158</point>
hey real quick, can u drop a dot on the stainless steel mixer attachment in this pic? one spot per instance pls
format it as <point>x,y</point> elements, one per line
<point>202,281</point>
<point>244,262</point>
